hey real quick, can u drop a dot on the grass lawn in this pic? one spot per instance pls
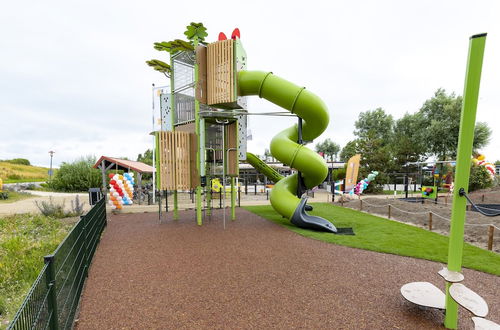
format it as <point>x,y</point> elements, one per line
<point>24,240</point>
<point>383,235</point>
<point>15,196</point>
<point>13,173</point>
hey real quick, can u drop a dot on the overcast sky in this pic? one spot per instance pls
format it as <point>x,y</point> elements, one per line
<point>73,77</point>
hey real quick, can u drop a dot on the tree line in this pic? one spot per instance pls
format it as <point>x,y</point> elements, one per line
<point>387,144</point>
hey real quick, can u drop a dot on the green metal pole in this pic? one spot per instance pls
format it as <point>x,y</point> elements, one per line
<point>233,199</point>
<point>52,295</point>
<point>176,206</point>
<point>464,152</point>
<point>209,195</point>
<point>199,205</point>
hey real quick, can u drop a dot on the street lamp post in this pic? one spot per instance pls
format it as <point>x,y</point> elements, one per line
<point>51,153</point>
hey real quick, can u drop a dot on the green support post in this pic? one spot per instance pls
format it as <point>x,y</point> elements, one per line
<point>233,199</point>
<point>209,196</point>
<point>176,206</point>
<point>199,205</point>
<point>464,152</point>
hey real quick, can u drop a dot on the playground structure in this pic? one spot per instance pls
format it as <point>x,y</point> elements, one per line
<point>204,125</point>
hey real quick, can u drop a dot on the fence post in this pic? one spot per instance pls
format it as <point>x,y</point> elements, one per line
<point>389,211</point>
<point>491,229</point>
<point>239,196</point>
<point>430,221</point>
<point>255,193</point>
<point>361,205</point>
<point>85,245</point>
<point>267,194</point>
<point>52,297</point>
<point>482,198</point>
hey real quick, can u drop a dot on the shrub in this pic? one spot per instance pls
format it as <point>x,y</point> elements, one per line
<point>76,206</point>
<point>479,178</point>
<point>339,174</point>
<point>54,210</point>
<point>76,176</point>
<point>51,209</point>
<point>13,176</point>
<point>19,161</point>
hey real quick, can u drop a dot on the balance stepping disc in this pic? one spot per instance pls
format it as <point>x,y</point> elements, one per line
<point>451,276</point>
<point>484,324</point>
<point>424,294</point>
<point>469,299</point>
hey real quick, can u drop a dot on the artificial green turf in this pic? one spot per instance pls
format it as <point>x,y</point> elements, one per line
<point>383,235</point>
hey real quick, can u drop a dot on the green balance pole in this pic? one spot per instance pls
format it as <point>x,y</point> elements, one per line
<point>208,197</point>
<point>233,199</point>
<point>199,206</point>
<point>464,153</point>
<point>176,206</point>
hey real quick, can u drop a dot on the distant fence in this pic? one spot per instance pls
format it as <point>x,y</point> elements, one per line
<point>53,299</point>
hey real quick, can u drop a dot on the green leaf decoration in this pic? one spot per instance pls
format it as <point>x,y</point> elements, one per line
<point>180,45</point>
<point>159,66</point>
<point>196,30</point>
<point>163,46</point>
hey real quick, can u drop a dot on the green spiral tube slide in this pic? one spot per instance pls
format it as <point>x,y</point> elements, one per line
<point>284,146</point>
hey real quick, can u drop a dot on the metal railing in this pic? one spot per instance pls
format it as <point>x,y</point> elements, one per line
<point>53,299</point>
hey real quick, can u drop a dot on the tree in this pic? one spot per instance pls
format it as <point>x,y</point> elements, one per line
<point>479,178</point>
<point>482,134</point>
<point>408,143</point>
<point>147,158</point>
<point>77,176</point>
<point>329,148</point>
<point>267,155</point>
<point>374,124</point>
<point>441,115</point>
<point>349,150</point>
<point>374,131</point>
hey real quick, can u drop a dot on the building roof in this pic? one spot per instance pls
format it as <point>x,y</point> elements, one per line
<point>124,164</point>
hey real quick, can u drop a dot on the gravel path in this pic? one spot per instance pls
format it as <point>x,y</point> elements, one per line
<point>255,274</point>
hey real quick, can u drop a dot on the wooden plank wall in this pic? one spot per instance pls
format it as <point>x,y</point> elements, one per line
<point>175,160</point>
<point>232,143</point>
<point>220,72</point>
<point>201,84</point>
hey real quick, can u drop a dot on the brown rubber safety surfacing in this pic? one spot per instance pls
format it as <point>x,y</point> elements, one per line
<point>253,274</point>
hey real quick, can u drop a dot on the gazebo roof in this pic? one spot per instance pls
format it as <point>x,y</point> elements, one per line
<point>124,164</point>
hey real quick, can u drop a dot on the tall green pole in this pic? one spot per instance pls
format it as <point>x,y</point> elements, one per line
<point>197,124</point>
<point>172,96</point>
<point>233,198</point>
<point>464,153</point>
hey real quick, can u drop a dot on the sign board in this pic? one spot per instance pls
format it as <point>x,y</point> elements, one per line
<point>351,175</point>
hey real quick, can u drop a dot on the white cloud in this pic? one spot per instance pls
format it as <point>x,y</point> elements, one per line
<point>74,78</point>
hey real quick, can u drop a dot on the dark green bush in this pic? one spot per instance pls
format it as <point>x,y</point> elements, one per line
<point>13,176</point>
<point>479,178</point>
<point>76,176</point>
<point>339,174</point>
<point>19,161</point>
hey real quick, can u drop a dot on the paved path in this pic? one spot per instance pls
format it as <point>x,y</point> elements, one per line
<point>29,205</point>
<point>254,274</point>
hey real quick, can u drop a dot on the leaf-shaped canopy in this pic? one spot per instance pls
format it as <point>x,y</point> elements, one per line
<point>159,66</point>
<point>196,30</point>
